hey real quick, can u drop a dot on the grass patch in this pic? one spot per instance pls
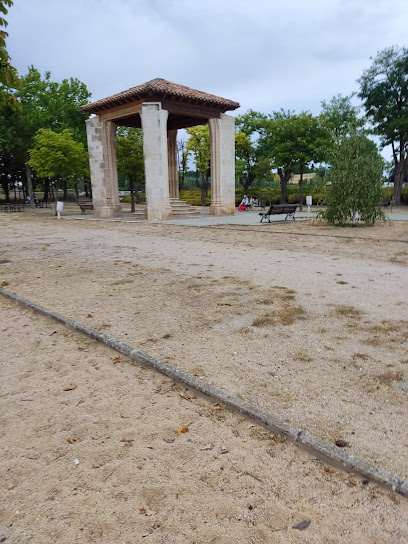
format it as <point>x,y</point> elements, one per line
<point>390,376</point>
<point>302,357</point>
<point>375,341</point>
<point>286,316</point>
<point>346,311</point>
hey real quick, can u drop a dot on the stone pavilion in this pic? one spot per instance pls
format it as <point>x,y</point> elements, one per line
<point>160,108</point>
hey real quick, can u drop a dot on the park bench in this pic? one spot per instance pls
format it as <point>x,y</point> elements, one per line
<point>14,207</point>
<point>85,204</point>
<point>41,203</point>
<point>279,209</point>
<point>262,204</point>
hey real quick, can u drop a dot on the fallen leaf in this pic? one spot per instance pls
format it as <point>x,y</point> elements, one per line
<point>53,266</point>
<point>89,315</point>
<point>117,359</point>
<point>302,525</point>
<point>182,429</point>
<point>70,388</point>
<point>4,283</point>
<point>146,512</point>
<point>71,440</point>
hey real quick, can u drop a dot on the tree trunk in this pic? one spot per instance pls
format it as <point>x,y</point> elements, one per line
<point>284,177</point>
<point>398,180</point>
<point>204,188</point>
<point>301,189</point>
<point>132,195</point>
<point>65,189</point>
<point>46,190</point>
<point>5,187</point>
<point>247,182</point>
<point>30,184</point>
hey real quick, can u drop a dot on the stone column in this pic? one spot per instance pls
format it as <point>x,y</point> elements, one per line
<point>222,142</point>
<point>172,159</point>
<point>102,163</point>
<point>154,124</point>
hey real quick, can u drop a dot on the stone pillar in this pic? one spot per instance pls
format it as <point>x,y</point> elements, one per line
<point>102,163</point>
<point>154,124</point>
<point>172,160</point>
<point>222,142</point>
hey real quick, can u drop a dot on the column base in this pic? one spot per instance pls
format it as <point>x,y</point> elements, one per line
<point>108,211</point>
<point>221,209</point>
<point>159,214</point>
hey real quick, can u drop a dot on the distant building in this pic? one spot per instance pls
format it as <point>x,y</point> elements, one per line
<point>294,180</point>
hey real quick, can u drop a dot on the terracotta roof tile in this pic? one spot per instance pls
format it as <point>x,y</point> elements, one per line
<point>163,87</point>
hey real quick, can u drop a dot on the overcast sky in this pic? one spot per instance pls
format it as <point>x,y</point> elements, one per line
<point>264,54</point>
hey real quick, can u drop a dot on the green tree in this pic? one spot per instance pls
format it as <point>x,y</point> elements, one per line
<point>129,155</point>
<point>250,162</point>
<point>384,91</point>
<point>8,107</point>
<point>43,104</point>
<point>198,144</point>
<point>293,142</point>
<point>8,74</point>
<point>182,159</point>
<point>356,181</point>
<point>58,155</point>
<point>339,116</point>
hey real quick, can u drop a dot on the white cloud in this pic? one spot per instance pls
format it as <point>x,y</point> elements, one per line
<point>263,53</point>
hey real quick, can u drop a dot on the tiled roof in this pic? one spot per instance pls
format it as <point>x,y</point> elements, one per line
<point>164,88</point>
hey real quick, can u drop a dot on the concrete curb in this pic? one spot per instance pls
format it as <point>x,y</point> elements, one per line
<point>323,450</point>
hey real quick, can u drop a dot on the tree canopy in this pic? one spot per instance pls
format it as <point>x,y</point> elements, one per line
<point>58,154</point>
<point>198,144</point>
<point>42,103</point>
<point>356,181</point>
<point>8,74</point>
<point>294,141</point>
<point>339,116</point>
<point>251,162</point>
<point>384,91</point>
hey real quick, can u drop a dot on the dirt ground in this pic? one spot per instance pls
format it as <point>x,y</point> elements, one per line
<point>302,320</point>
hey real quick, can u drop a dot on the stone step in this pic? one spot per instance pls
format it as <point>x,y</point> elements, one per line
<point>176,213</point>
<point>180,207</point>
<point>139,214</point>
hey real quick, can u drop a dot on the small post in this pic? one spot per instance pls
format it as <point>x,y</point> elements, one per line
<point>60,207</point>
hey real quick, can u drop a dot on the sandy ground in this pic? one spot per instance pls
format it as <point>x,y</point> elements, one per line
<point>304,321</point>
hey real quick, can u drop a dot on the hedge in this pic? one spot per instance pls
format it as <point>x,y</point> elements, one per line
<point>193,196</point>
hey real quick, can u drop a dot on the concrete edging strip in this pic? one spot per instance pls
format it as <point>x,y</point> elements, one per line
<point>325,451</point>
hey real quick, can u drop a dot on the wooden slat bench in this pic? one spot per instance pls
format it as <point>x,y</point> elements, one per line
<point>85,204</point>
<point>279,209</point>
<point>41,203</point>
<point>14,207</point>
